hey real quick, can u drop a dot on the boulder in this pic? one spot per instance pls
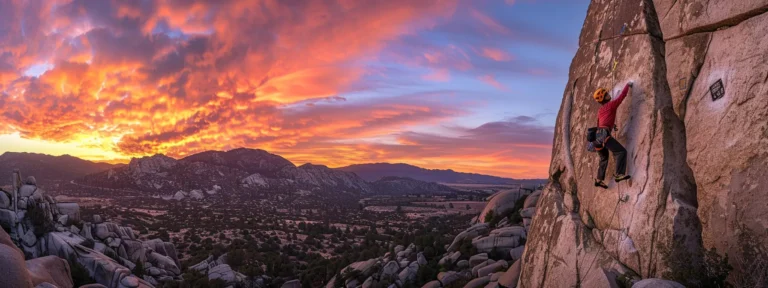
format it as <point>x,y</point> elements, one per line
<point>225,273</point>
<point>478,282</point>
<point>399,248</point>
<point>5,201</point>
<point>492,268</point>
<point>196,194</point>
<point>516,253</point>
<point>448,278</point>
<point>492,284</point>
<point>531,200</point>
<point>472,232</point>
<point>510,277</point>
<point>291,284</point>
<point>391,268</point>
<point>97,219</point>
<point>432,284</point>
<point>501,202</point>
<point>7,219</point>
<point>94,285</point>
<point>134,250</point>
<point>495,276</point>
<point>462,264</point>
<point>29,239</point>
<point>12,267</point>
<point>27,190</point>
<point>50,269</point>
<point>500,244</point>
<point>165,263</point>
<point>70,209</point>
<point>449,259</point>
<point>409,274</point>
<point>101,231</point>
<point>151,280</point>
<point>481,265</point>
<point>63,219</point>
<point>477,259</point>
<point>657,283</point>
<point>528,212</point>
<point>509,231</point>
<point>421,259</point>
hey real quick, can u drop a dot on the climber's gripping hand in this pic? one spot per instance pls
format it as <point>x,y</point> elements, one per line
<point>630,83</point>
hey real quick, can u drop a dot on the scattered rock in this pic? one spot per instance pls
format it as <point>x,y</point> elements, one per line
<point>501,202</point>
<point>492,268</point>
<point>657,283</point>
<point>478,282</point>
<point>477,259</point>
<point>509,279</point>
<point>291,284</point>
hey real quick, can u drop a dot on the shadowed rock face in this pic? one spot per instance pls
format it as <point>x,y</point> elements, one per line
<point>698,166</point>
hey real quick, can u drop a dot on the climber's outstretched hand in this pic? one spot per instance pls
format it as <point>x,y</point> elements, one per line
<point>630,83</point>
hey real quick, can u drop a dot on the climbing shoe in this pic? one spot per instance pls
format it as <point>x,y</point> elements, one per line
<point>600,183</point>
<point>620,178</point>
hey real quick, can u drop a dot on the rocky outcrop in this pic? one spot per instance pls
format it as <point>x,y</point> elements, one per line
<point>698,162</point>
<point>322,176</point>
<point>501,201</point>
<point>41,227</point>
<point>150,165</point>
<point>39,272</point>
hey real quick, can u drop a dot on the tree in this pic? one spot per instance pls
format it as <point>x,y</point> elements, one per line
<point>399,209</point>
<point>450,205</point>
<point>489,216</point>
<point>468,208</point>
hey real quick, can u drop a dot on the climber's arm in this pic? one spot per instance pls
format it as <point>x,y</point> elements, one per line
<point>623,94</point>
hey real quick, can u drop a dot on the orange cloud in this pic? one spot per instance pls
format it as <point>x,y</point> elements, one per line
<point>490,80</point>
<point>495,54</point>
<point>179,77</point>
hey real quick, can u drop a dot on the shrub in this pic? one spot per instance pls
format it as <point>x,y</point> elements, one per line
<point>40,222</point>
<point>489,216</point>
<point>707,269</point>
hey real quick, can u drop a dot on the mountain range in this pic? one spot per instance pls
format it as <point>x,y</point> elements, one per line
<point>241,169</point>
<point>49,168</point>
<point>376,171</point>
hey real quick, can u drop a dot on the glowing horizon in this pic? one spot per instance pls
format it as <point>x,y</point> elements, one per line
<point>440,84</point>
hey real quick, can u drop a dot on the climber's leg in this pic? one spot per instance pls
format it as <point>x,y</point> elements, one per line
<point>621,158</point>
<point>602,167</point>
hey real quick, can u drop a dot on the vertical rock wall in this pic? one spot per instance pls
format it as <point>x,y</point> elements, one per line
<point>699,166</point>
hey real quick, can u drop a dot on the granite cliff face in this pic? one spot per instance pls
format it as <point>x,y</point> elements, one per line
<point>698,159</point>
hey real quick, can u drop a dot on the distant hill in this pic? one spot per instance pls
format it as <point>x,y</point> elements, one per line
<point>47,168</point>
<point>376,171</point>
<point>392,185</point>
<point>239,169</point>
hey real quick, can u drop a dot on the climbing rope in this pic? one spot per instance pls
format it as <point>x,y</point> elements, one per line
<point>621,198</point>
<point>602,248</point>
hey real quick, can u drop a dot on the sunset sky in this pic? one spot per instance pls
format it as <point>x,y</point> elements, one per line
<point>470,85</point>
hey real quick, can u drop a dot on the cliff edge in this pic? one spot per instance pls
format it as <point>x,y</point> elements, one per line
<point>696,130</point>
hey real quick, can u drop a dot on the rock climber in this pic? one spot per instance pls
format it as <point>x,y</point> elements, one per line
<point>606,122</point>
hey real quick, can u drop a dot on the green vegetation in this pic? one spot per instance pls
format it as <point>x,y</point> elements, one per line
<point>704,268</point>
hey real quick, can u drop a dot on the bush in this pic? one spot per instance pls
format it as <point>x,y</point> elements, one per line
<point>40,222</point>
<point>489,216</point>
<point>708,269</point>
